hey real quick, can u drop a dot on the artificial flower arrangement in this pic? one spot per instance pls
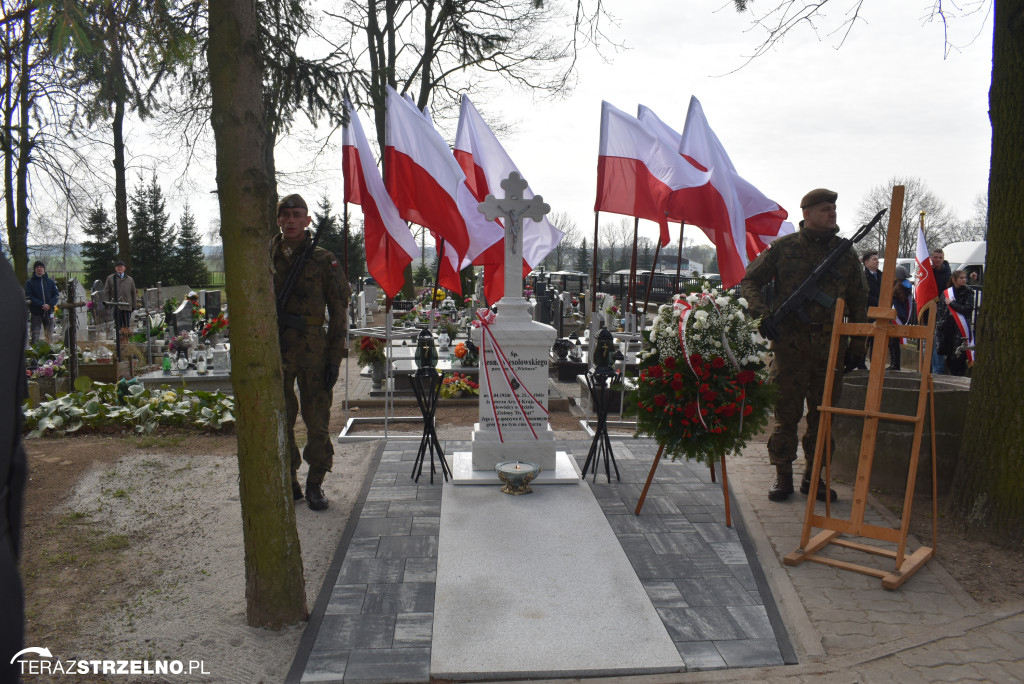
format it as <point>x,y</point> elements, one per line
<point>197,313</point>
<point>371,351</point>
<point>216,326</point>
<point>703,390</point>
<point>45,360</point>
<point>181,343</point>
<point>453,383</point>
<point>467,353</point>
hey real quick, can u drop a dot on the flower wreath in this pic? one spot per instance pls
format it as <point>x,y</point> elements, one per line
<point>703,390</point>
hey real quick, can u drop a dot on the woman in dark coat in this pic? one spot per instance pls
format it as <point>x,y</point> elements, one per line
<point>903,302</point>
<point>962,302</point>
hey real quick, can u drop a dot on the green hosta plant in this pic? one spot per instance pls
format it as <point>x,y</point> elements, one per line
<point>127,404</point>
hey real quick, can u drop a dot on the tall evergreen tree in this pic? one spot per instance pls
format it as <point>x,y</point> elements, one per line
<point>153,237</point>
<point>189,262</point>
<point>332,238</point>
<point>583,263</point>
<point>100,251</point>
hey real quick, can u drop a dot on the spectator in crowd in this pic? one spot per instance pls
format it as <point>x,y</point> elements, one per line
<point>42,294</point>
<point>903,302</point>
<point>948,329</point>
<point>940,268</point>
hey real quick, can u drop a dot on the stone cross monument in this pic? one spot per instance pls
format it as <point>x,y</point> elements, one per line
<point>514,352</point>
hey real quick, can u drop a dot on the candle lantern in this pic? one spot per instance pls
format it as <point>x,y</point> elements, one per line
<point>604,354</point>
<point>426,353</point>
<point>618,359</point>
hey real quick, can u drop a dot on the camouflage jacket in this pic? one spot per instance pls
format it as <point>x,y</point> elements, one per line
<point>322,285</point>
<point>789,260</point>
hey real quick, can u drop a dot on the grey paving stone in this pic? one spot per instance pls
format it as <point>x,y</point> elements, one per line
<point>370,570</point>
<point>327,666</point>
<point>362,547</point>
<point>635,544</point>
<point>413,630</point>
<point>700,655</point>
<point>731,553</point>
<point>420,570</point>
<point>426,525</point>
<point>388,665</point>
<point>375,509</point>
<point>750,652</point>
<point>716,532</point>
<point>661,566</point>
<point>420,546</point>
<point>699,513</point>
<point>614,507</point>
<point>659,505</point>
<point>714,591</point>
<point>700,624</point>
<point>664,593</point>
<point>346,598</point>
<point>689,544</point>
<point>339,632</point>
<point>628,524</point>
<point>401,509</point>
<point>406,597</point>
<point>676,523</point>
<point>379,527</point>
<point>753,620</point>
<point>429,492</point>
<point>383,480</point>
<point>391,494</point>
<point>745,575</point>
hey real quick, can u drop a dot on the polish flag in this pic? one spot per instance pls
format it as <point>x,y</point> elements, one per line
<point>926,288</point>
<point>486,165</point>
<point>390,246</point>
<point>729,208</point>
<point>429,188</point>
<point>637,171</point>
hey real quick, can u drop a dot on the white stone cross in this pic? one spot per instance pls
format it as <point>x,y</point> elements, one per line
<point>513,209</point>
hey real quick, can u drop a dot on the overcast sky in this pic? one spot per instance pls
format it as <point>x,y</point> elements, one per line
<point>807,114</point>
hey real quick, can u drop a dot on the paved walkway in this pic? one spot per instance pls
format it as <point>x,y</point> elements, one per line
<point>373,621</point>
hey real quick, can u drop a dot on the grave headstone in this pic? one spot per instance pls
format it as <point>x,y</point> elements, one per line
<point>99,310</point>
<point>152,299</point>
<point>182,318</point>
<point>513,404</point>
<point>211,302</point>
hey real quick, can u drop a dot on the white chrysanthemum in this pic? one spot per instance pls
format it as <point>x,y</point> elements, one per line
<point>692,298</point>
<point>722,301</point>
<point>743,302</point>
<point>701,315</point>
<point>718,345</point>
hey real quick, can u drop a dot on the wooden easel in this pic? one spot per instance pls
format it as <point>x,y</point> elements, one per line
<point>880,330</point>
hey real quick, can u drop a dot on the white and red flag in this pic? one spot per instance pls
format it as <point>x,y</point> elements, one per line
<point>926,289</point>
<point>637,171</point>
<point>486,164</point>
<point>429,188</point>
<point>734,214</point>
<point>962,324</point>
<point>390,246</point>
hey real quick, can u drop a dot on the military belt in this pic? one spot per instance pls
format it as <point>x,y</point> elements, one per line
<point>287,320</point>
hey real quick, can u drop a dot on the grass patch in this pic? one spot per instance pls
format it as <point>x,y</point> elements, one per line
<point>110,542</point>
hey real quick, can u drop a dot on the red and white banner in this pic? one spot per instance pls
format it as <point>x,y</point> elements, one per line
<point>429,188</point>
<point>636,171</point>
<point>926,289</point>
<point>962,324</point>
<point>729,208</point>
<point>390,246</point>
<point>486,164</point>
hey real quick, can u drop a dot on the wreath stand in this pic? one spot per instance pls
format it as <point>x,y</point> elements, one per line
<point>880,330</point>
<point>650,478</point>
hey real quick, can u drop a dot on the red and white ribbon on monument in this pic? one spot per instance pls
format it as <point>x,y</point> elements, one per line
<point>485,318</point>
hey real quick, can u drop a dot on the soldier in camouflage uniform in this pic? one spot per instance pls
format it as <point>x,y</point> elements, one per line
<point>310,354</point>
<point>801,351</point>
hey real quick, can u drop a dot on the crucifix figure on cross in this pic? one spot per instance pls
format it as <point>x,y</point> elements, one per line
<point>512,210</point>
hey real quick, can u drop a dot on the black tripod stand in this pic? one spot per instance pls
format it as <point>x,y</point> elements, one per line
<point>426,384</point>
<point>597,383</point>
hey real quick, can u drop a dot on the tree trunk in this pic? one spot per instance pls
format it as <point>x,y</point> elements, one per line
<point>124,244</point>
<point>8,138</point>
<point>275,589</point>
<point>19,249</point>
<point>988,490</point>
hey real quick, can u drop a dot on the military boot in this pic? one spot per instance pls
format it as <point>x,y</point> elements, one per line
<point>296,490</point>
<point>783,486</point>
<point>805,487</point>
<point>315,497</point>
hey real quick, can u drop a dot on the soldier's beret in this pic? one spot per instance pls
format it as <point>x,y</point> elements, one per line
<point>818,196</point>
<point>292,201</point>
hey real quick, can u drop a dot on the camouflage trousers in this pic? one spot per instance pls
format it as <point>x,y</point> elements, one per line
<point>316,413</point>
<point>801,360</point>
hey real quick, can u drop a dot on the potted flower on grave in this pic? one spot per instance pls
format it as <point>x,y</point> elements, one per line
<point>455,385</point>
<point>703,389</point>
<point>371,353</point>
<point>214,329</point>
<point>466,353</point>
